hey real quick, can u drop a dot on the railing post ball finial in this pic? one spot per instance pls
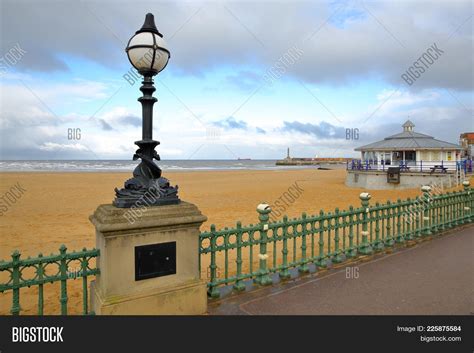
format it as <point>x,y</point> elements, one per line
<point>264,210</point>
<point>263,277</point>
<point>365,248</point>
<point>426,188</point>
<point>364,198</point>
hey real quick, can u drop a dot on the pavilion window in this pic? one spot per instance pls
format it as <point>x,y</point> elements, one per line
<point>410,156</point>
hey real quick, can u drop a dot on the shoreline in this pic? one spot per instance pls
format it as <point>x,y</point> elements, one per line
<point>123,166</point>
<point>289,168</point>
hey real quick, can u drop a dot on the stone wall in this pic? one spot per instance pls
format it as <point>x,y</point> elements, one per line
<point>377,180</point>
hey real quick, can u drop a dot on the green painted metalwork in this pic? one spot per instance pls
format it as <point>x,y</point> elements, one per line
<point>365,248</point>
<point>239,285</point>
<point>378,243</point>
<point>426,210</point>
<point>263,277</point>
<point>47,269</point>
<point>324,239</point>
<point>328,238</point>
<point>303,268</point>
<point>468,203</point>
<point>284,273</point>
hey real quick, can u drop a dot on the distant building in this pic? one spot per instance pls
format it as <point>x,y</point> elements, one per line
<point>310,160</point>
<point>408,159</point>
<point>466,140</point>
<point>412,150</point>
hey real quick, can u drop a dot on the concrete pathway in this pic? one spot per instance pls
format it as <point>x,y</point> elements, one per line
<point>433,277</point>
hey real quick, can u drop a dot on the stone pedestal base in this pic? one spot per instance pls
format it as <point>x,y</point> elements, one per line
<point>119,231</point>
<point>185,299</point>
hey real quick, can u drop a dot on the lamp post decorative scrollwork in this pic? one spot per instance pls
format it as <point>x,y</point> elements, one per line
<point>148,53</point>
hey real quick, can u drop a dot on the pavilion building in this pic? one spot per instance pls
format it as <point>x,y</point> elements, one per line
<point>408,159</point>
<point>412,151</point>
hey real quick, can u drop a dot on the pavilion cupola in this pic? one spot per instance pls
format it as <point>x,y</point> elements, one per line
<point>408,126</point>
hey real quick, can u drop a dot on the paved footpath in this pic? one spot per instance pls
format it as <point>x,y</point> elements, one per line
<point>433,277</point>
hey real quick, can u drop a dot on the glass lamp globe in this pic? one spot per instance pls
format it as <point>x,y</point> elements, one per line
<point>147,50</point>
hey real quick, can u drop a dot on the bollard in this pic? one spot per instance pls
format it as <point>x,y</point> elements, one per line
<point>365,248</point>
<point>426,189</point>
<point>263,277</point>
<point>468,202</point>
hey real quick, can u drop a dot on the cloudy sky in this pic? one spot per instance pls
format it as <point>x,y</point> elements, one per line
<point>246,79</point>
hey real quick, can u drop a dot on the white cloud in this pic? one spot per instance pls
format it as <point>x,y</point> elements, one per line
<point>381,40</point>
<point>345,49</point>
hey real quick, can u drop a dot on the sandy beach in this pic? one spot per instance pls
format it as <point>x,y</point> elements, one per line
<point>55,207</point>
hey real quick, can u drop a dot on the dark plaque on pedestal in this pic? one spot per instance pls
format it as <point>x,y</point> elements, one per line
<point>393,175</point>
<point>155,260</point>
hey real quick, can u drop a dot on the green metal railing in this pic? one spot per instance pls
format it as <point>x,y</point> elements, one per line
<point>48,269</point>
<point>257,251</point>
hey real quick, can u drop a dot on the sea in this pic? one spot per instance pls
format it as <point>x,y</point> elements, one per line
<point>129,165</point>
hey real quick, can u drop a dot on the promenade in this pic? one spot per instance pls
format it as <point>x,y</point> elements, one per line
<point>435,277</point>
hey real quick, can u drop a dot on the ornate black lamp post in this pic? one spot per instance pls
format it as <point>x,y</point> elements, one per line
<point>148,54</point>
